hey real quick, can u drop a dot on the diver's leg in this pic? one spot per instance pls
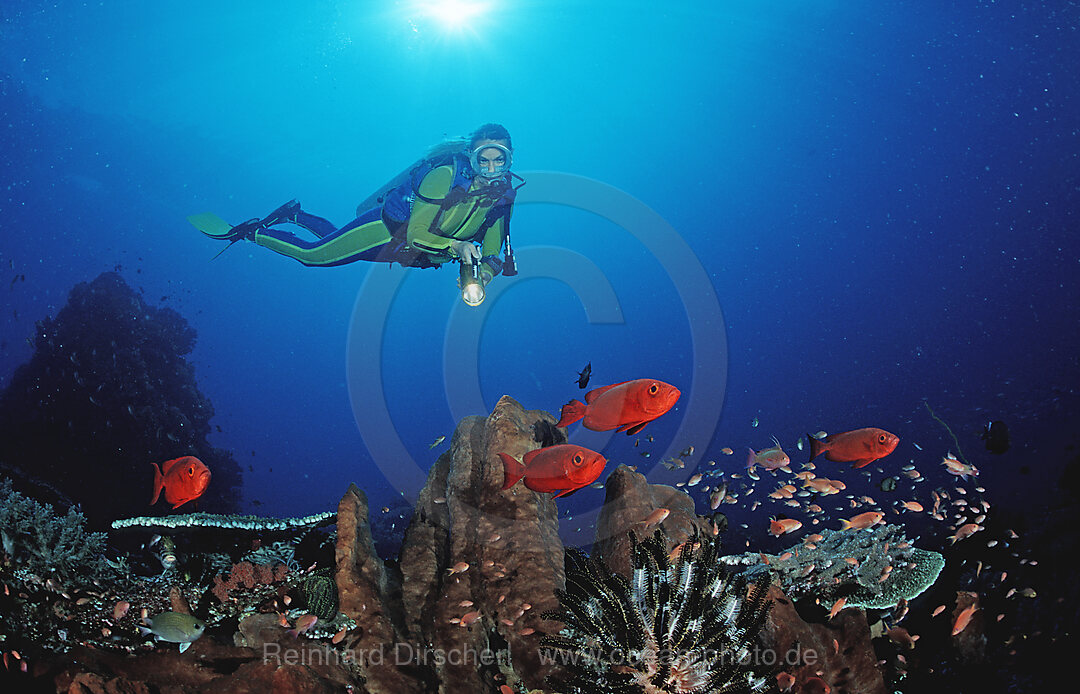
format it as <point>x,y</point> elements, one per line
<point>316,225</point>
<point>215,227</point>
<point>285,213</point>
<point>290,213</point>
<point>361,239</point>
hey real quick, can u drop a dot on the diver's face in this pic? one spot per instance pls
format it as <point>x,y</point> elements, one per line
<point>491,159</point>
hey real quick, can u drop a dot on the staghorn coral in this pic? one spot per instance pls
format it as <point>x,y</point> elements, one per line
<point>46,543</point>
<point>681,624</point>
<point>822,570</point>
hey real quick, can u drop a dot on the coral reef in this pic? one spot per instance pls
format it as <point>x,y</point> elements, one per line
<point>971,641</point>
<point>61,592</point>
<point>629,499</point>
<point>218,542</point>
<point>46,616</point>
<point>508,538</point>
<point>283,553</point>
<point>48,544</point>
<point>320,595</point>
<point>681,625</point>
<point>108,390</point>
<point>465,608</point>
<point>904,583</point>
<point>289,665</point>
<point>366,594</point>
<point>256,524</point>
<point>53,570</point>
<point>872,568</point>
<point>838,652</point>
<point>247,575</point>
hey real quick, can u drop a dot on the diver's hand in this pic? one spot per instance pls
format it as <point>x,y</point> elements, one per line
<point>484,280</point>
<point>465,251</point>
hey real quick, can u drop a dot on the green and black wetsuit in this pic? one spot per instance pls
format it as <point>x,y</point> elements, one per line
<point>439,214</point>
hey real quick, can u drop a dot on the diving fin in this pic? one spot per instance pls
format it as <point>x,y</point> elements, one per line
<point>217,228</point>
<point>224,249</point>
<point>210,224</point>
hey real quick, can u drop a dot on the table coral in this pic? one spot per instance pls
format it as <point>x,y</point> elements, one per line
<point>871,568</point>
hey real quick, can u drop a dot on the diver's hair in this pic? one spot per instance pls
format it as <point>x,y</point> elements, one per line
<point>488,131</point>
<point>448,147</point>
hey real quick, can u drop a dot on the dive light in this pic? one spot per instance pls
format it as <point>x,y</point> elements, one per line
<point>472,288</point>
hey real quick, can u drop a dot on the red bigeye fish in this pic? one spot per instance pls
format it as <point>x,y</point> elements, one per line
<point>861,446</point>
<point>183,479</point>
<point>626,406</point>
<point>564,469</point>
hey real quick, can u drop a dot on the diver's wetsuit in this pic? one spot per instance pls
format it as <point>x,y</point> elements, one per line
<point>427,233</point>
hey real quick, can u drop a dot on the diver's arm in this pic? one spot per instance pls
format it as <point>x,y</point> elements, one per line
<point>491,263</point>
<point>490,266</point>
<point>435,186</point>
<point>493,238</point>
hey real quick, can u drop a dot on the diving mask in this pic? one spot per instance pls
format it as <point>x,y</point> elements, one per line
<point>491,160</point>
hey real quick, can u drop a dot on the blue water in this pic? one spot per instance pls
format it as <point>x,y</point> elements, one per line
<point>882,198</point>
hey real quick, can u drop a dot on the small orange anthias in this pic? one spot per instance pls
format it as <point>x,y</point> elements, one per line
<point>564,469</point>
<point>626,406</point>
<point>859,447</point>
<point>183,479</point>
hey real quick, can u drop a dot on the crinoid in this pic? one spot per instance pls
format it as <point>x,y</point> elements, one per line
<point>682,624</point>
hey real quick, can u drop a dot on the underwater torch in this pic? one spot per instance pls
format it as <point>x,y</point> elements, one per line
<point>472,287</point>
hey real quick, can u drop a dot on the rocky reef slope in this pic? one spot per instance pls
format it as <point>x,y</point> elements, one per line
<point>461,610</point>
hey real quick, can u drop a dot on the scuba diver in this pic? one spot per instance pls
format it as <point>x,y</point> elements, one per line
<point>437,211</point>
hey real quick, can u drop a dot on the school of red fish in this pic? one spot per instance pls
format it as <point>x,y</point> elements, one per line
<point>962,509</point>
<point>629,406</point>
